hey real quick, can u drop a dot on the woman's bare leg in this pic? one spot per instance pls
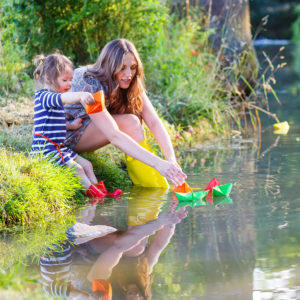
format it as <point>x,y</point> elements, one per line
<point>93,139</point>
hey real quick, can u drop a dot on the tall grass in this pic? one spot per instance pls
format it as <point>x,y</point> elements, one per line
<point>34,190</point>
<point>183,77</point>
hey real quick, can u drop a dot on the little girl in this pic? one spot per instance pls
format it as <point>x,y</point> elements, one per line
<point>53,76</point>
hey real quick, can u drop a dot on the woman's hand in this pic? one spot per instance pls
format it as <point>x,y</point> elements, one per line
<point>172,171</point>
<point>172,216</point>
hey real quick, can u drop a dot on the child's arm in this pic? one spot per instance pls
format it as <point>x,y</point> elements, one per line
<point>76,124</point>
<point>73,97</point>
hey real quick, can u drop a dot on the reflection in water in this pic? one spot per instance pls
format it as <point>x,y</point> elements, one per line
<point>116,264</point>
<point>275,285</point>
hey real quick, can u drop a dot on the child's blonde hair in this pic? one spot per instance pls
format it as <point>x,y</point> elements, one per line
<point>49,68</point>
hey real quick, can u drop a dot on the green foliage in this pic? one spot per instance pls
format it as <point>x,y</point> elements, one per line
<point>80,29</point>
<point>34,190</point>
<point>12,54</point>
<point>17,282</point>
<point>296,26</point>
<point>108,167</point>
<point>296,39</point>
<point>184,77</point>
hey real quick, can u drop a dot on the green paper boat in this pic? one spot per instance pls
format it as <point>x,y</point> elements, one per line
<point>221,200</point>
<point>193,196</point>
<point>222,190</point>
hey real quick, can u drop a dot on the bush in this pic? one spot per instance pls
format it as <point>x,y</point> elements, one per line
<point>183,76</point>
<point>12,54</point>
<point>80,29</point>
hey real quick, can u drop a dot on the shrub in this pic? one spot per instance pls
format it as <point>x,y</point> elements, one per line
<point>80,29</point>
<point>183,76</point>
<point>12,54</point>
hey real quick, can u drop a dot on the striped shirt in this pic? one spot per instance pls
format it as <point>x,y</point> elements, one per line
<point>50,122</point>
<point>55,271</point>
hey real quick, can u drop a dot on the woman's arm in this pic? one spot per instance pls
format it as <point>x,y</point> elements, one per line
<point>107,125</point>
<point>159,131</point>
<point>103,266</point>
<point>158,243</point>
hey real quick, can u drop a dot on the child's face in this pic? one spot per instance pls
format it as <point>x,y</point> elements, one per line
<point>63,81</point>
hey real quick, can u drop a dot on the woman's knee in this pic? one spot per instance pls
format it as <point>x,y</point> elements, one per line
<point>131,125</point>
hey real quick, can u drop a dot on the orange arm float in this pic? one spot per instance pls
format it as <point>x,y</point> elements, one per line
<point>98,106</point>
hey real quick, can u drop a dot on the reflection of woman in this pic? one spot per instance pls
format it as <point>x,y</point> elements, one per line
<point>122,260</point>
<point>118,72</point>
<point>127,261</point>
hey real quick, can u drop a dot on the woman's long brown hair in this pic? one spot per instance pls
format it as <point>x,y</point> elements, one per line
<point>109,62</point>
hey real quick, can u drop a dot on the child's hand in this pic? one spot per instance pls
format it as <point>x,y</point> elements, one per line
<point>76,124</point>
<point>87,98</point>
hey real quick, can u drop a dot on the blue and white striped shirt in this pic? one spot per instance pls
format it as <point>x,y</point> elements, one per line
<point>50,122</point>
<point>49,118</point>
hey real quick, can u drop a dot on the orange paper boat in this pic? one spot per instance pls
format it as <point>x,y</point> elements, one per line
<point>98,106</point>
<point>184,188</point>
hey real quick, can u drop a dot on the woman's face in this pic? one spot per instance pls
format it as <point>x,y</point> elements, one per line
<point>127,72</point>
<point>133,293</point>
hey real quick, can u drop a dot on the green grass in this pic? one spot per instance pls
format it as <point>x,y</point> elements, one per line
<point>32,190</point>
<point>109,166</point>
<point>18,282</point>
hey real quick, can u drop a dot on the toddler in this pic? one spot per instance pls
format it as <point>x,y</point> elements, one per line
<point>53,77</point>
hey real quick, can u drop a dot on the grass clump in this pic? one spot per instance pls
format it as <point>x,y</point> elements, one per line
<point>109,166</point>
<point>18,283</point>
<point>34,190</point>
<point>184,78</point>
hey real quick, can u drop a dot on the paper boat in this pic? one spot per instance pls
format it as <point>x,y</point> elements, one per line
<point>184,188</point>
<point>98,106</point>
<point>222,190</point>
<point>194,196</point>
<point>214,182</point>
<point>281,128</point>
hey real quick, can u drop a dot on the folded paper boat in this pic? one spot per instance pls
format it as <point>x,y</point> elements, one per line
<point>222,190</point>
<point>184,188</point>
<point>98,106</point>
<point>193,196</point>
<point>281,128</point>
<point>214,182</point>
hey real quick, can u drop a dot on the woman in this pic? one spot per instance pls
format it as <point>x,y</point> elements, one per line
<point>119,73</point>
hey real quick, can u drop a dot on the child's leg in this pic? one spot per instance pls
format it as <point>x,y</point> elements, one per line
<point>87,167</point>
<point>80,172</point>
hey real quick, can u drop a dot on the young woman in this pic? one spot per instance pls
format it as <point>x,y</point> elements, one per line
<point>118,72</point>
